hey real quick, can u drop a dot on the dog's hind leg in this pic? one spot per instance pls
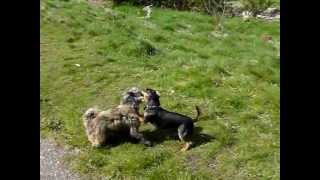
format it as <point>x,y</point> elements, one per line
<point>99,136</point>
<point>184,135</point>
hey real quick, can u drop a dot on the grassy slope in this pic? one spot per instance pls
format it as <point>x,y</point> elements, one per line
<point>235,80</point>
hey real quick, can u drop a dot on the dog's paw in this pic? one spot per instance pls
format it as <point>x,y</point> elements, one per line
<point>183,150</point>
<point>186,146</point>
<point>147,143</point>
<point>96,145</point>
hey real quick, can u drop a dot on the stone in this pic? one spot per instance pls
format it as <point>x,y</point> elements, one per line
<point>271,11</point>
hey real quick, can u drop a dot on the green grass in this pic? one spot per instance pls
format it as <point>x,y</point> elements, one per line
<point>234,80</point>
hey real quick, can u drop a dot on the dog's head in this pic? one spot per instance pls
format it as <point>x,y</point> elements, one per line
<point>133,96</point>
<point>151,95</point>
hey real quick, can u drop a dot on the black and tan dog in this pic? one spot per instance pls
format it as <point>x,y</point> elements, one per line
<point>101,125</point>
<point>164,119</point>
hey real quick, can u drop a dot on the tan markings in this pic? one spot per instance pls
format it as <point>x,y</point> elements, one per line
<point>145,96</point>
<point>141,119</point>
<point>186,146</point>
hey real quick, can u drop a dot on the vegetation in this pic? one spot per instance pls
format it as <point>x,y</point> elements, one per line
<point>208,6</point>
<point>90,54</point>
<point>256,6</point>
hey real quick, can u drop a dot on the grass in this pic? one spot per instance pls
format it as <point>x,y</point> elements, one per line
<point>234,80</point>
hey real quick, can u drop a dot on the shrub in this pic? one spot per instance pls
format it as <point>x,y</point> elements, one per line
<point>256,6</point>
<point>175,4</point>
<point>213,7</point>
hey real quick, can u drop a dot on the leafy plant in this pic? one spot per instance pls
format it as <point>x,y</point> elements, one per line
<point>256,6</point>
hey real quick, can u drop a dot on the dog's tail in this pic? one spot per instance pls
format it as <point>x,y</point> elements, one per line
<point>90,114</point>
<point>198,114</point>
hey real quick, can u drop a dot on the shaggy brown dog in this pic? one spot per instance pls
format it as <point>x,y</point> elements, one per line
<point>100,125</point>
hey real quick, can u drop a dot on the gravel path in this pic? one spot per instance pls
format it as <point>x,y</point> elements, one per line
<point>51,164</point>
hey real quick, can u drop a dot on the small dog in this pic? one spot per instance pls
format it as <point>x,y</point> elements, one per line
<point>101,125</point>
<point>164,119</point>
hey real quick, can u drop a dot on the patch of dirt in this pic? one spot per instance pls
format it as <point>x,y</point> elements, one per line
<point>212,163</point>
<point>192,162</point>
<point>51,162</point>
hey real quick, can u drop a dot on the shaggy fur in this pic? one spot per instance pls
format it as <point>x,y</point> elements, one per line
<point>100,125</point>
<point>164,119</point>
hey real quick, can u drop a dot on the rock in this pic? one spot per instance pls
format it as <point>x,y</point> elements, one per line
<point>270,14</point>
<point>234,8</point>
<point>271,11</point>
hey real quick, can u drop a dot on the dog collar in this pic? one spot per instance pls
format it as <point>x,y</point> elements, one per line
<point>150,107</point>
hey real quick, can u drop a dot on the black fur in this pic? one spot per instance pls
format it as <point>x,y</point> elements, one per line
<point>164,119</point>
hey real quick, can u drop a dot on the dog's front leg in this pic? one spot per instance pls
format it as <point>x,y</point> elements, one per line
<point>141,118</point>
<point>135,134</point>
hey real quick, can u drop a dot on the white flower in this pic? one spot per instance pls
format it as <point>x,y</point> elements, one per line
<point>147,9</point>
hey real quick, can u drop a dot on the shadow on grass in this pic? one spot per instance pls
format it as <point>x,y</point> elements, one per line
<point>157,137</point>
<point>160,135</point>
<point>119,138</point>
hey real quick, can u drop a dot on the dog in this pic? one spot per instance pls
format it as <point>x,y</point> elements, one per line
<point>125,118</point>
<point>163,119</point>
